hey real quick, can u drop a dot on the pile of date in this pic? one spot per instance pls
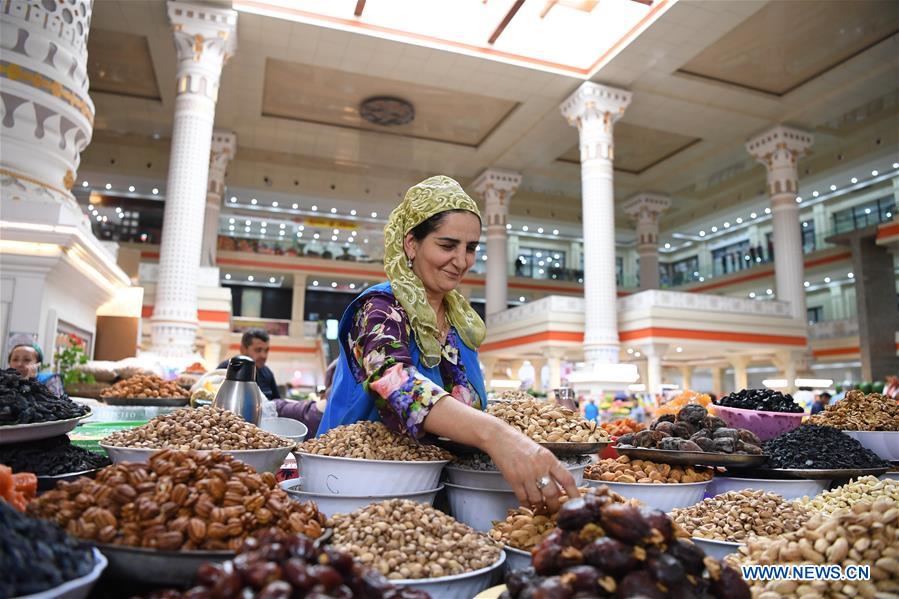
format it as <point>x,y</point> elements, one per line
<point>607,549</point>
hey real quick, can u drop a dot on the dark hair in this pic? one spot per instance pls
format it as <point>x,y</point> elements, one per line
<point>34,346</point>
<point>425,228</point>
<point>247,339</point>
<point>824,395</point>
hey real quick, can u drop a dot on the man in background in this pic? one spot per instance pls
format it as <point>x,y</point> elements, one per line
<point>820,402</point>
<point>254,344</point>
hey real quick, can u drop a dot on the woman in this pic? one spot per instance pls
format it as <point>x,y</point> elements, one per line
<point>27,359</point>
<point>408,347</point>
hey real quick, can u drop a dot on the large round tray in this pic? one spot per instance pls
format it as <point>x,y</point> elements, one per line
<point>47,483</point>
<point>693,458</point>
<point>835,474</point>
<point>884,443</point>
<point>263,460</point>
<point>16,433</point>
<point>576,448</point>
<point>352,476</point>
<point>158,402</point>
<point>460,586</point>
<point>77,588</point>
<point>139,564</point>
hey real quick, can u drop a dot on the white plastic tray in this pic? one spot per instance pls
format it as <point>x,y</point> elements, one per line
<point>263,460</point>
<point>329,504</point>
<point>788,489</point>
<point>884,443</point>
<point>479,508</point>
<point>355,477</point>
<point>460,586</point>
<point>17,433</point>
<point>665,497</point>
<point>78,588</point>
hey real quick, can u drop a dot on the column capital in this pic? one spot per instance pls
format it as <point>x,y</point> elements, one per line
<point>645,208</point>
<point>778,143</point>
<point>504,182</point>
<point>205,38</point>
<point>593,101</point>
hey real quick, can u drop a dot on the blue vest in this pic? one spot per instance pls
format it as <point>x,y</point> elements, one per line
<point>348,402</point>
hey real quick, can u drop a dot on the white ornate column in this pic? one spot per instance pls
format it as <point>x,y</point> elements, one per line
<point>741,376</point>
<point>779,150</point>
<point>554,357</point>
<point>497,186</point>
<point>686,375</point>
<point>204,39</point>
<point>645,209</point>
<point>594,109</point>
<point>224,146</point>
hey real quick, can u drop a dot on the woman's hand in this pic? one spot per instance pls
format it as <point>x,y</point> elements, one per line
<point>533,472</point>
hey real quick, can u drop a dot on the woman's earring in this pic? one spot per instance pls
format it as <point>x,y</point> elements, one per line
<point>409,263</point>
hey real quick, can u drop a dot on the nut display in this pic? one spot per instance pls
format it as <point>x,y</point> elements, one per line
<point>764,400</point>
<point>372,441</point>
<point>482,462</point>
<point>693,429</point>
<point>180,500</point>
<point>866,534</point>
<point>145,386</point>
<point>203,428</point>
<point>737,515</point>
<point>685,398</point>
<point>860,412</point>
<point>50,457</point>
<point>623,426</point>
<point>865,489</point>
<point>547,422</point>
<point>602,548</point>
<point>274,564</point>
<point>403,539</point>
<point>813,447</point>
<point>26,401</point>
<point>36,556</point>
<point>523,529</point>
<point>626,470</point>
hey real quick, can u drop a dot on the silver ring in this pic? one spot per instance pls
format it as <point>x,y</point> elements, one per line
<point>543,482</point>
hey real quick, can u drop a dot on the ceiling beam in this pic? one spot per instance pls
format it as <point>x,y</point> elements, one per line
<point>505,21</point>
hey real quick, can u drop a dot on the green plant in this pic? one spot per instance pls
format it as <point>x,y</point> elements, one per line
<point>67,357</point>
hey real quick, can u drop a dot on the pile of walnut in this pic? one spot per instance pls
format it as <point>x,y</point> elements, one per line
<point>867,534</point>
<point>626,470</point>
<point>366,440</point>
<point>178,501</point>
<point>146,387</point>
<point>203,428</point>
<point>693,429</point>
<point>404,539</point>
<point>860,412</point>
<point>738,515</point>
<point>602,548</point>
<point>547,422</point>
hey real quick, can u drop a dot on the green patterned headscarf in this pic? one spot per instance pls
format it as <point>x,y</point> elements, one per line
<point>431,196</point>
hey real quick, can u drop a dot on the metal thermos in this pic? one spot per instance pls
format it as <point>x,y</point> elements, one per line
<point>239,392</point>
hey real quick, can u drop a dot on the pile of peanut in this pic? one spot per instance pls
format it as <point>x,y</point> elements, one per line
<point>523,529</point>
<point>366,440</point>
<point>145,387</point>
<point>860,412</point>
<point>867,534</point>
<point>178,501</point>
<point>867,489</point>
<point>626,470</point>
<point>404,539</point>
<point>736,516</point>
<point>547,422</point>
<point>203,428</point>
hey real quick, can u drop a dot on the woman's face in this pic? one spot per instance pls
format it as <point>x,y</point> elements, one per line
<point>442,258</point>
<point>24,359</point>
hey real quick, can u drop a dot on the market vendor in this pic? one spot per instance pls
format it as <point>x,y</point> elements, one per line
<point>408,346</point>
<point>27,359</point>
<point>255,344</point>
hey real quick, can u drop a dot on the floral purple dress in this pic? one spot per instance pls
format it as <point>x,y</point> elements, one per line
<point>379,339</point>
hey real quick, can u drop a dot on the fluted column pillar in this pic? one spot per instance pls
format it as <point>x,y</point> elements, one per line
<point>594,109</point>
<point>204,39</point>
<point>779,150</point>
<point>224,146</point>
<point>645,209</point>
<point>496,187</point>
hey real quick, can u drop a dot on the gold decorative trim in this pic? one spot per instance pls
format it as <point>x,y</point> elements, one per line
<point>15,175</point>
<point>15,72</point>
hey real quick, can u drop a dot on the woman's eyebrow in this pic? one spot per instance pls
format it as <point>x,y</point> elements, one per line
<point>448,239</point>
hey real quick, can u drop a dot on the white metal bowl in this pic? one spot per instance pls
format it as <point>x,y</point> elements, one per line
<point>493,479</point>
<point>355,477</point>
<point>788,489</point>
<point>479,508</point>
<point>263,460</point>
<point>329,504</point>
<point>287,428</point>
<point>460,586</point>
<point>77,588</point>
<point>892,475</point>
<point>665,497</point>
<point>19,433</point>
<point>516,559</point>
<point>717,549</point>
<point>884,443</point>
